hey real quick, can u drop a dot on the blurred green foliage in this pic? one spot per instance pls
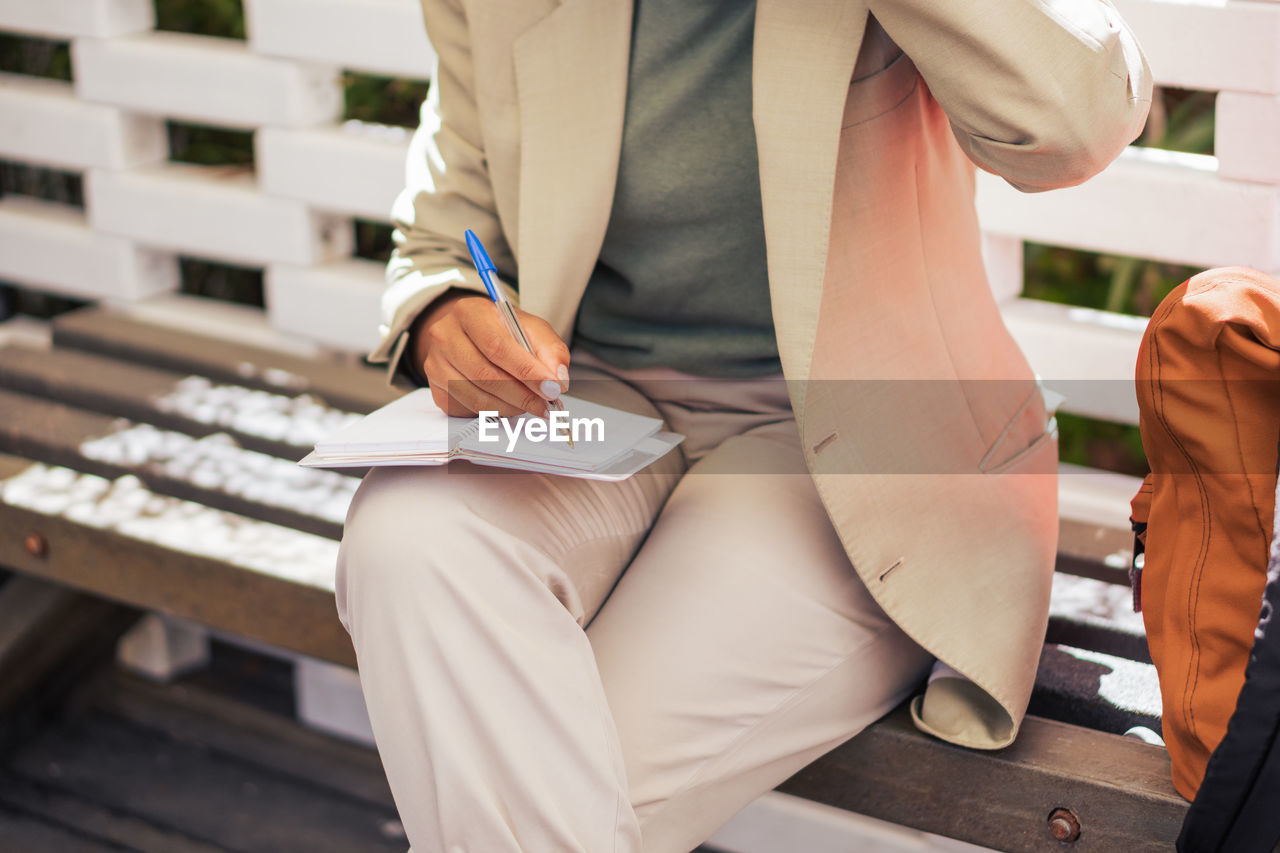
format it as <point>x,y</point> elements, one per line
<point>373,240</point>
<point>209,146</point>
<point>224,18</point>
<point>1180,120</point>
<point>1108,282</point>
<point>384,100</point>
<point>35,56</point>
<point>227,282</point>
<point>49,184</point>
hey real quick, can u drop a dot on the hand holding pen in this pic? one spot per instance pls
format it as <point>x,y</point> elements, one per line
<point>475,363</point>
<point>506,311</point>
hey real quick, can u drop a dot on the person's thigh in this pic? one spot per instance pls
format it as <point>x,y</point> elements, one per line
<point>465,591</point>
<point>573,536</point>
<point>740,644</point>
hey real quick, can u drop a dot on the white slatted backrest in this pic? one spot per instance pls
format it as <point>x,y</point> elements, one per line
<point>314,174</point>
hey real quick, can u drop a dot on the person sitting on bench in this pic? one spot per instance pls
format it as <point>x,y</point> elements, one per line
<point>754,220</point>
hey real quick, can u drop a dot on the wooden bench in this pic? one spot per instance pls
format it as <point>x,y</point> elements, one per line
<point>152,466</point>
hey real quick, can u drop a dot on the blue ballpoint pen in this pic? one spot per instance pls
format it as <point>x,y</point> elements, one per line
<point>488,274</point>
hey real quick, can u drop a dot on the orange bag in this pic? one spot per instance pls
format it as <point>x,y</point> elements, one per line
<point>1208,382</point>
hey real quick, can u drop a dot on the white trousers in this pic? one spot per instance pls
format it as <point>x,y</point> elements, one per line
<point>555,665</point>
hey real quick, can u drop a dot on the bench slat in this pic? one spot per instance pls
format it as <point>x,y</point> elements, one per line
<point>1117,787</point>
<point>240,806</point>
<point>295,613</point>
<point>275,424</point>
<point>1095,690</point>
<point>1100,610</point>
<point>122,830</point>
<point>1070,629</point>
<point>342,382</point>
<point>209,471</point>
<point>1098,551</point>
<point>197,715</point>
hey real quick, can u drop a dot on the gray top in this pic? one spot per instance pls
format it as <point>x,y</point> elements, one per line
<point>681,281</point>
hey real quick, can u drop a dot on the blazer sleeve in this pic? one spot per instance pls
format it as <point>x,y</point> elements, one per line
<point>447,190</point>
<point>1044,93</point>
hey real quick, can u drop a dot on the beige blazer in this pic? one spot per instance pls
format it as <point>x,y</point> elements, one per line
<point>920,420</point>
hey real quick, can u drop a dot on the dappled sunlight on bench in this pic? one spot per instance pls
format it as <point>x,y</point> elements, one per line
<point>299,421</point>
<point>217,462</point>
<point>126,506</point>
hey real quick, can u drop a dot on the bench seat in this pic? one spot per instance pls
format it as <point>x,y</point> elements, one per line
<point>124,425</point>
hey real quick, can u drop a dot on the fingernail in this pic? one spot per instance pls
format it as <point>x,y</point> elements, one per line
<point>562,373</point>
<point>550,389</point>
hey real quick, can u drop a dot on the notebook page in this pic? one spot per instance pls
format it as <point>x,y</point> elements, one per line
<point>412,424</point>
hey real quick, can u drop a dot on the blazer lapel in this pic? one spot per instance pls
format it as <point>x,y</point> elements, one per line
<point>571,82</point>
<point>802,63</point>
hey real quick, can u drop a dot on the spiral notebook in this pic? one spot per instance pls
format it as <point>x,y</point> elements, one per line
<point>609,443</point>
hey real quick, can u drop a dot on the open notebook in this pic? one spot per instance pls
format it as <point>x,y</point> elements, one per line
<point>609,444</point>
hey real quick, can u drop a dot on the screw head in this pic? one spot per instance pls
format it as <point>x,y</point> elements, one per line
<point>1063,825</point>
<point>36,545</point>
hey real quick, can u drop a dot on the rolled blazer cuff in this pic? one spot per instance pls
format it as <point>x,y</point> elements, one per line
<point>958,711</point>
<point>406,297</point>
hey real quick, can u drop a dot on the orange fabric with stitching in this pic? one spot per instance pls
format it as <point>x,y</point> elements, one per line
<point>1209,398</point>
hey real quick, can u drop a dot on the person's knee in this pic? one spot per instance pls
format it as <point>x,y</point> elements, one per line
<point>392,534</point>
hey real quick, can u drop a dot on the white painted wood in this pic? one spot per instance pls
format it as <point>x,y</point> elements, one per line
<point>50,247</point>
<point>337,304</point>
<point>1098,497</point>
<point>212,212</point>
<point>781,823</point>
<point>1209,44</point>
<point>1086,355</point>
<point>43,122</point>
<point>1149,203</point>
<point>378,36</point>
<point>1003,258</point>
<point>162,648</point>
<point>356,168</point>
<point>203,79</point>
<point>1247,136</point>
<point>63,19</point>
<point>329,699</point>
<point>214,318</point>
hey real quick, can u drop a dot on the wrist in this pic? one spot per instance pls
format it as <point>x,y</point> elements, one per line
<point>440,305</point>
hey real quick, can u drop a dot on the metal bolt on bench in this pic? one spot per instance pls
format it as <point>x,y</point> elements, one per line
<point>1063,825</point>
